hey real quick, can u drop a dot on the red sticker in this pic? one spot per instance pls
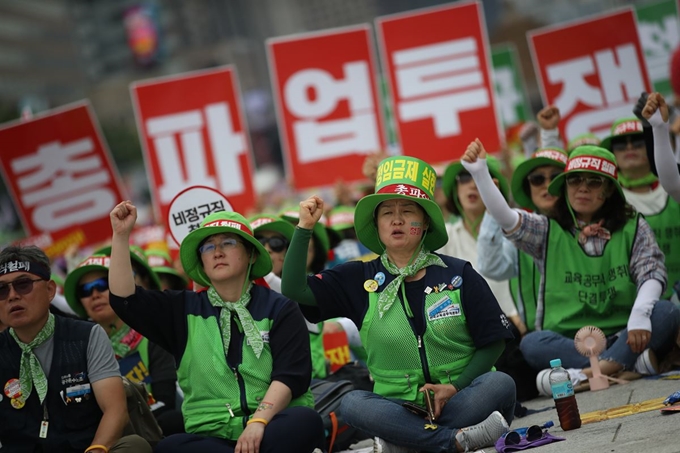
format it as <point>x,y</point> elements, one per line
<point>415,231</point>
<point>13,388</point>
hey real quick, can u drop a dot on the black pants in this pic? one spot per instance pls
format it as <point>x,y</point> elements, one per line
<point>293,430</point>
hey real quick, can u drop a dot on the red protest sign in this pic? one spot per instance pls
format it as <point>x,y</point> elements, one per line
<point>327,104</point>
<point>193,133</point>
<point>592,69</point>
<point>438,66</point>
<point>61,176</point>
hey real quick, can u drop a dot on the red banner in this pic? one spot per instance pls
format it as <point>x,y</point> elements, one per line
<point>327,104</point>
<point>61,176</point>
<point>593,70</point>
<point>438,64</point>
<point>193,133</point>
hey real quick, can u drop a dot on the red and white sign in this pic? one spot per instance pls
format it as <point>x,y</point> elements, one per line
<point>189,207</point>
<point>61,176</point>
<point>437,60</point>
<point>193,132</point>
<point>593,70</point>
<point>327,104</point>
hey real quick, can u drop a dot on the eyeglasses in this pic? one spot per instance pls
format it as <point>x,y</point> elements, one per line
<point>22,286</point>
<point>227,243</point>
<point>538,179</point>
<point>532,433</point>
<point>277,244</point>
<point>592,182</point>
<point>622,144</point>
<point>86,290</point>
<point>463,177</point>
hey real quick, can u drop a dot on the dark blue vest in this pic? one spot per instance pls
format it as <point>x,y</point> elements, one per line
<point>71,426</point>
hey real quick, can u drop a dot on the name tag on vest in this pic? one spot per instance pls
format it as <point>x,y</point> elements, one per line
<point>443,308</point>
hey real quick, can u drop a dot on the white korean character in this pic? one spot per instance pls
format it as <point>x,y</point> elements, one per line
<point>658,41</point>
<point>508,96</point>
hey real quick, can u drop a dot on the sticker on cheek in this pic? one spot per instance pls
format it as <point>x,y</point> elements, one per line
<point>415,231</point>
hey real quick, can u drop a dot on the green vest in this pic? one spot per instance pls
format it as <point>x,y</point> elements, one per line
<point>666,228</point>
<point>213,391</point>
<point>582,290</point>
<point>397,358</point>
<point>319,365</point>
<point>524,288</point>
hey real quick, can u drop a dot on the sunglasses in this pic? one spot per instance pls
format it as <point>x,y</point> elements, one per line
<point>227,243</point>
<point>22,286</point>
<point>533,433</point>
<point>622,145</point>
<point>592,182</point>
<point>276,243</point>
<point>463,177</point>
<point>86,290</point>
<point>538,179</point>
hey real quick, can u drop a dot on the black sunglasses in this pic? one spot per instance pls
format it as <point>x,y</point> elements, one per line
<point>22,286</point>
<point>277,244</point>
<point>592,182</point>
<point>463,177</point>
<point>538,179</point>
<point>622,144</point>
<point>533,433</point>
<point>86,290</point>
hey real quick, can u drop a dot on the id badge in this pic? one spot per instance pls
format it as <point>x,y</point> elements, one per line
<point>43,429</point>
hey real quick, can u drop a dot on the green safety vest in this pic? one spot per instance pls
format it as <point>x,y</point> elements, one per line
<point>319,365</point>
<point>666,227</point>
<point>524,288</point>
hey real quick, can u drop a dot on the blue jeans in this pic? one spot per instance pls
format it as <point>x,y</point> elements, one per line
<point>385,418</point>
<point>540,347</point>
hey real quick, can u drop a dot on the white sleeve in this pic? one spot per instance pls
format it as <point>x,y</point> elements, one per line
<point>647,295</point>
<point>666,165</point>
<point>273,281</point>
<point>493,199</point>
<point>496,256</point>
<point>550,138</point>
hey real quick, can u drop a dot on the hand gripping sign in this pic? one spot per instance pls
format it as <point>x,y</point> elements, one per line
<point>327,104</point>
<point>592,69</point>
<point>189,207</point>
<point>61,176</point>
<point>437,60</point>
<point>193,133</point>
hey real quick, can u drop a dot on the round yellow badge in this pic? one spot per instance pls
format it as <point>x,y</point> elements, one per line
<point>371,285</point>
<point>17,403</point>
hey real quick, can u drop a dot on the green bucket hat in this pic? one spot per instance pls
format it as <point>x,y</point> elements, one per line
<point>589,159</point>
<point>215,223</point>
<point>266,222</point>
<point>406,178</point>
<point>583,139</point>
<point>556,157</point>
<point>320,232</point>
<point>161,263</point>
<point>449,179</point>
<point>622,128</point>
<point>139,257</point>
<point>96,262</point>
<point>341,218</point>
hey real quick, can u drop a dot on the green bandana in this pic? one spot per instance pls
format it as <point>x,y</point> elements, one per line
<point>633,183</point>
<point>30,371</point>
<point>129,346</point>
<point>249,328</point>
<point>389,294</point>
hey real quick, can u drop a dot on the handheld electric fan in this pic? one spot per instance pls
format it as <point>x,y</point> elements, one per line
<point>590,342</point>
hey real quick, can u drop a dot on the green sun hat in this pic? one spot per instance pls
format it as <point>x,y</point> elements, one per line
<point>405,178</point>
<point>449,179</point>
<point>139,257</point>
<point>216,223</point>
<point>96,262</point>
<point>556,157</point>
<point>161,263</point>
<point>267,222</point>
<point>583,139</point>
<point>341,218</point>
<point>589,159</point>
<point>622,128</point>
<point>320,232</point>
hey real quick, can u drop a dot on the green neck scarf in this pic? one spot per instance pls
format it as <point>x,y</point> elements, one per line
<point>389,294</point>
<point>633,183</point>
<point>250,330</point>
<point>30,371</point>
<point>122,344</point>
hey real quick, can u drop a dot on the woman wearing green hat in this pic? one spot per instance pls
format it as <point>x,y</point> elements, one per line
<point>161,265</point>
<point>429,322</point>
<point>241,349</point>
<point>599,263</point>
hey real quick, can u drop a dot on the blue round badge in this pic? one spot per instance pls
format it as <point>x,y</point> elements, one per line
<point>457,281</point>
<point>380,278</point>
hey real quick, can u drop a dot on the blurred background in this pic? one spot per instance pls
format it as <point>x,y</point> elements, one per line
<point>54,52</point>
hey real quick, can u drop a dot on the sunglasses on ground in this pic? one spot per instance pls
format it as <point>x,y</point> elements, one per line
<point>592,182</point>
<point>538,179</point>
<point>533,433</point>
<point>86,290</point>
<point>227,243</point>
<point>622,145</point>
<point>22,286</point>
<point>276,243</point>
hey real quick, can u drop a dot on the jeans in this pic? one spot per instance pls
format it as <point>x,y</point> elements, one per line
<point>540,347</point>
<point>385,418</point>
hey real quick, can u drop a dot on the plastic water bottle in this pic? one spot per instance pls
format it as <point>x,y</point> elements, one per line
<point>563,394</point>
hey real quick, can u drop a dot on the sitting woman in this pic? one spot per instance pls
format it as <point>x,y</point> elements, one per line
<point>242,349</point>
<point>429,322</point>
<point>599,264</point>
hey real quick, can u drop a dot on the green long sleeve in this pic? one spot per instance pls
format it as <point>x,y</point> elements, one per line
<point>482,361</point>
<point>294,274</point>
